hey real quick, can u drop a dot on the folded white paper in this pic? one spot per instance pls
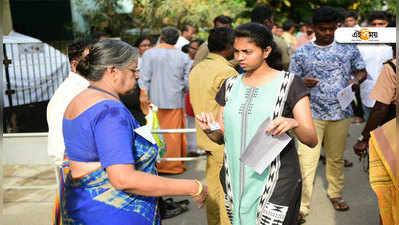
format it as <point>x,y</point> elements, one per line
<point>145,132</point>
<point>263,148</point>
<point>346,96</point>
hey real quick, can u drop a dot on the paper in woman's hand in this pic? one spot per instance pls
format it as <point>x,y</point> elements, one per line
<point>263,148</point>
<point>145,132</point>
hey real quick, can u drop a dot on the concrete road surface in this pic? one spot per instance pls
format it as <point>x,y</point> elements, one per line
<point>33,206</point>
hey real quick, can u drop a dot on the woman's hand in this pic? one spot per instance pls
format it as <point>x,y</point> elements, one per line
<point>204,120</point>
<point>200,199</point>
<point>280,125</point>
<point>360,148</point>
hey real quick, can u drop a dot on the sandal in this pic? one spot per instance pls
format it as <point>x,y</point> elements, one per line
<point>301,218</point>
<point>339,204</point>
<point>171,208</point>
<point>184,202</point>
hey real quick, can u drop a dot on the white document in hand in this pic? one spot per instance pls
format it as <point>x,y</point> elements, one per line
<point>145,132</point>
<point>263,148</point>
<point>346,96</point>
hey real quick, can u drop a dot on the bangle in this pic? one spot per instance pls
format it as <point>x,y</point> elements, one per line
<point>199,189</point>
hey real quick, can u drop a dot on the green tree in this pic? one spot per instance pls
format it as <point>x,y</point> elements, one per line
<point>104,17</point>
<point>298,10</point>
<point>155,14</point>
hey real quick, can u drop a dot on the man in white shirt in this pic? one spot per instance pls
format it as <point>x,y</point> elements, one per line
<point>187,34</point>
<point>374,55</point>
<point>64,94</point>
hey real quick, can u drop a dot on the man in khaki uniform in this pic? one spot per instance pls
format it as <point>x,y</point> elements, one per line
<point>205,81</point>
<point>219,21</point>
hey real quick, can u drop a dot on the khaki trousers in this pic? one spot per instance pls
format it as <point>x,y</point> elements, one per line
<point>333,134</point>
<point>215,208</point>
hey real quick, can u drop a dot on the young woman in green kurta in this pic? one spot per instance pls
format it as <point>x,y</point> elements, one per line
<point>272,197</point>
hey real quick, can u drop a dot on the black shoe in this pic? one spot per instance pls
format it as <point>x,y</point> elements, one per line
<point>168,208</point>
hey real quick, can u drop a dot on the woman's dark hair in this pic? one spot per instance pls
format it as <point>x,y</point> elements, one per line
<point>262,37</point>
<point>141,39</point>
<point>325,14</point>
<point>103,54</point>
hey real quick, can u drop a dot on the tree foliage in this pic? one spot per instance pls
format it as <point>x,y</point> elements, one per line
<point>155,14</point>
<point>298,10</point>
<point>104,16</point>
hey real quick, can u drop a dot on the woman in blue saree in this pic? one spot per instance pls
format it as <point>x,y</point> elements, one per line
<point>112,178</point>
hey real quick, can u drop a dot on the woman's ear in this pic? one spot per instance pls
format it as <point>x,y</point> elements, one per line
<point>267,52</point>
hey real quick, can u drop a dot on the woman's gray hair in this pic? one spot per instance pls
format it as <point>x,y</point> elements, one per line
<point>106,53</point>
<point>170,35</point>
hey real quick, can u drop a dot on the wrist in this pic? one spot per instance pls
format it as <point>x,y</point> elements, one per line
<point>296,124</point>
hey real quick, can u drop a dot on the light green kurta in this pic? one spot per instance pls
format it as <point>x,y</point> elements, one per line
<point>246,109</point>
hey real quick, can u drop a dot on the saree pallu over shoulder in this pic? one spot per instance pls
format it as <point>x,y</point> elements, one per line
<point>384,166</point>
<point>93,200</point>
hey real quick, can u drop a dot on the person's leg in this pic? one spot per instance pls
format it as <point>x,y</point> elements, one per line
<point>215,208</point>
<point>335,138</point>
<point>309,158</point>
<point>191,137</point>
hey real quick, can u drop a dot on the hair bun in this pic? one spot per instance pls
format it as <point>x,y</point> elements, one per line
<point>83,67</point>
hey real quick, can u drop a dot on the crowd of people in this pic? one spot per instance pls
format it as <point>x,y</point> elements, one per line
<point>258,75</point>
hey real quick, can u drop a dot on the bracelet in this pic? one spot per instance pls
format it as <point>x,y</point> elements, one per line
<point>199,190</point>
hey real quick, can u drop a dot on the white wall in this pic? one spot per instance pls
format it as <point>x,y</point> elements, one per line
<point>25,148</point>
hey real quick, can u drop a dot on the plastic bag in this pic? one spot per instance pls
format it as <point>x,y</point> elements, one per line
<point>152,120</point>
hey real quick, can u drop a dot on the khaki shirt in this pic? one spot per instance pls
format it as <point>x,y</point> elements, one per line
<point>205,80</point>
<point>202,53</point>
<point>283,47</point>
<point>385,89</point>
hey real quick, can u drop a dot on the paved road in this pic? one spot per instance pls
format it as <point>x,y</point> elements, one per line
<point>33,207</point>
